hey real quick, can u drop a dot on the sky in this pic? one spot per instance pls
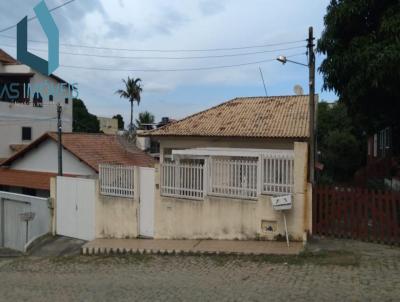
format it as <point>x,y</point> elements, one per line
<point>175,25</point>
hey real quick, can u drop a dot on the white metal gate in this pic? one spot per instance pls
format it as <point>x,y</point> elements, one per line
<point>15,231</point>
<point>23,218</point>
<point>75,207</point>
<point>146,218</point>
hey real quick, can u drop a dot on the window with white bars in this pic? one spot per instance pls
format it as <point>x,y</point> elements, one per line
<point>233,177</point>
<point>116,180</point>
<point>277,174</point>
<point>224,176</point>
<point>182,179</point>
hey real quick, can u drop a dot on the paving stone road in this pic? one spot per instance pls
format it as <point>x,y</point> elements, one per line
<point>331,271</point>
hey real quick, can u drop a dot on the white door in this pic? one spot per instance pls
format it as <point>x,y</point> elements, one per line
<point>75,209</point>
<point>15,236</point>
<point>146,211</point>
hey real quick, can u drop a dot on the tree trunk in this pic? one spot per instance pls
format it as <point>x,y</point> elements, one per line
<point>131,124</point>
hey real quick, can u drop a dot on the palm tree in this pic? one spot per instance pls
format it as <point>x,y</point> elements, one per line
<point>132,92</point>
<point>145,121</point>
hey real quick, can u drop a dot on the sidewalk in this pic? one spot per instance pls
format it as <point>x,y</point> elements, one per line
<point>105,246</point>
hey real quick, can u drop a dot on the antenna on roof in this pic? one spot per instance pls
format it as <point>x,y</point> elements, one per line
<point>298,90</point>
<point>262,78</point>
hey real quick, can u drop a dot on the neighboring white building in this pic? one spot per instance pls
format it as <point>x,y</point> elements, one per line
<point>24,119</point>
<point>29,170</point>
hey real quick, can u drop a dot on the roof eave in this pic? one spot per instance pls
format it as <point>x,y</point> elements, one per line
<point>226,136</point>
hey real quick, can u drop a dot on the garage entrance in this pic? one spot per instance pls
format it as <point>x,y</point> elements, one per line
<point>23,218</point>
<point>75,209</point>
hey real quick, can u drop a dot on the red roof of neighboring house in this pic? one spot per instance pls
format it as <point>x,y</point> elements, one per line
<point>25,179</point>
<point>17,147</point>
<point>92,149</point>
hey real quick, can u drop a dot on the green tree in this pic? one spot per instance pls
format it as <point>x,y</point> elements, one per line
<point>83,120</point>
<point>132,91</point>
<point>361,42</point>
<point>121,123</point>
<point>145,119</point>
<point>340,155</point>
<point>332,116</point>
<point>338,143</point>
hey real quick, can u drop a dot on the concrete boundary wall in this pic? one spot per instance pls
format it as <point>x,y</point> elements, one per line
<point>229,218</point>
<point>211,218</point>
<point>115,217</point>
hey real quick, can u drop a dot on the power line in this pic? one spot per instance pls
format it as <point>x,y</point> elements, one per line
<point>167,58</point>
<point>165,50</point>
<point>34,17</point>
<point>174,70</point>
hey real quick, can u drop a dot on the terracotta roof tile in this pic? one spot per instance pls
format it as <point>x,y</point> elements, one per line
<point>25,179</point>
<point>272,117</point>
<point>94,149</point>
<point>17,147</point>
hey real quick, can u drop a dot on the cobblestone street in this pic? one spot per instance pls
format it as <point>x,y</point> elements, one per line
<point>350,271</point>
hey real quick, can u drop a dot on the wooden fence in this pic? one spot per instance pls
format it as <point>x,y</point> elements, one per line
<point>357,214</point>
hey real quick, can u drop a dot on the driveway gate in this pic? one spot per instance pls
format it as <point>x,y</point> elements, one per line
<point>22,219</point>
<point>75,207</point>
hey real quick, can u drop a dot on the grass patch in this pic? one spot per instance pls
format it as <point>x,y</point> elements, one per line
<point>339,258</point>
<point>103,259</point>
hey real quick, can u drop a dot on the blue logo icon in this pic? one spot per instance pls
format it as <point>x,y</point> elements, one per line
<point>51,31</point>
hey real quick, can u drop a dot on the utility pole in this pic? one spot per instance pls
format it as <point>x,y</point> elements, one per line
<point>59,131</point>
<point>311,65</point>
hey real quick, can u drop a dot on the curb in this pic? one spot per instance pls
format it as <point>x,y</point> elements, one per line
<point>97,251</point>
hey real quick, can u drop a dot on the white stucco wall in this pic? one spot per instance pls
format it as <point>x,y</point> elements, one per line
<point>15,116</point>
<point>230,218</point>
<point>44,159</point>
<point>116,217</point>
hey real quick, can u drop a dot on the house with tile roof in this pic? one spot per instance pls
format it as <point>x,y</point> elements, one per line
<point>29,170</point>
<point>220,170</point>
<point>28,106</point>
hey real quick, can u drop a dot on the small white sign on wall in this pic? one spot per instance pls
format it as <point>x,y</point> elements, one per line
<point>282,203</point>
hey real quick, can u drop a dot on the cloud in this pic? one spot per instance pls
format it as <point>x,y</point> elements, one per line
<point>117,29</point>
<point>211,7</point>
<point>170,20</point>
<point>158,88</point>
<point>176,24</point>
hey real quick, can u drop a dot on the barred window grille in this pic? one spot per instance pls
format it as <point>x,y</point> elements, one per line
<point>277,174</point>
<point>116,180</point>
<point>182,179</point>
<point>236,177</point>
<point>233,177</point>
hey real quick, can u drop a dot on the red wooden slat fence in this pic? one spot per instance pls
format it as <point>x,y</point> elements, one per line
<point>357,213</point>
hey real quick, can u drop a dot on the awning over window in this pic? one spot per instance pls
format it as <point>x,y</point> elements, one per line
<point>237,152</point>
